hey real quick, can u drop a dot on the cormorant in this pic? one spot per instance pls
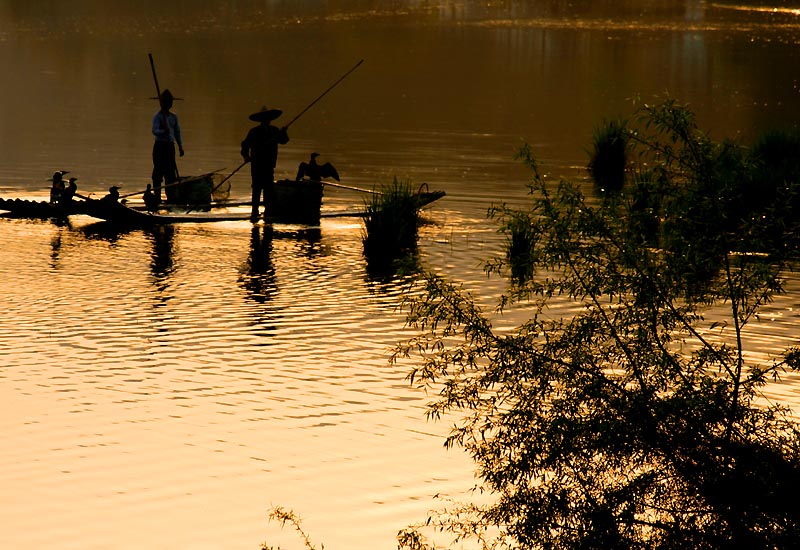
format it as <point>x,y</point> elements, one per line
<point>151,202</point>
<point>69,192</point>
<point>316,172</point>
<point>58,185</point>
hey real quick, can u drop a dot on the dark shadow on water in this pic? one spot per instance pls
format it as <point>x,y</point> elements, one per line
<point>258,273</point>
<point>162,260</point>
<point>56,242</point>
<point>308,239</point>
<point>257,279</point>
<point>258,276</point>
<point>104,231</point>
<point>385,270</point>
<point>162,253</point>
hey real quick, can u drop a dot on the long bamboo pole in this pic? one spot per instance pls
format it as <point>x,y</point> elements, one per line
<point>332,86</point>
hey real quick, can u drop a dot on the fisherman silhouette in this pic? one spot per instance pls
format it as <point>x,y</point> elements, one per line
<point>260,148</point>
<point>112,197</point>
<point>316,172</point>
<point>57,189</point>
<point>151,202</point>
<point>167,132</point>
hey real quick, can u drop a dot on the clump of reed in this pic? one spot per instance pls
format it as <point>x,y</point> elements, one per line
<point>775,158</point>
<point>771,187</point>
<point>391,225</point>
<point>521,243</point>
<point>608,158</point>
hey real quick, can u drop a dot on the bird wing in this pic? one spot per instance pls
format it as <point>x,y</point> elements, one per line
<point>328,171</point>
<point>301,171</point>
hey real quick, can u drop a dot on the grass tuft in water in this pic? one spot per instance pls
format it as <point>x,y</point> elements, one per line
<point>608,159</point>
<point>391,226</point>
<point>775,156</point>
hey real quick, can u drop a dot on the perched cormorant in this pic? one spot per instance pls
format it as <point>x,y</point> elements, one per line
<point>69,192</point>
<point>316,172</point>
<point>58,185</point>
<point>151,202</point>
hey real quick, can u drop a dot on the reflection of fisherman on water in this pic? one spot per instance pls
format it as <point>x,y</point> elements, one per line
<point>167,132</point>
<point>258,277</point>
<point>260,148</point>
<point>162,255</point>
<point>316,172</point>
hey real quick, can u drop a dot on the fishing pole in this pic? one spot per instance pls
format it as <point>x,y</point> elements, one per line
<point>340,186</point>
<point>332,86</point>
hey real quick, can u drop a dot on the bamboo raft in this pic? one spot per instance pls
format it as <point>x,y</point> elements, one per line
<point>296,202</point>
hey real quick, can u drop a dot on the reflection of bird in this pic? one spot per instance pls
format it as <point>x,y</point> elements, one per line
<point>316,171</point>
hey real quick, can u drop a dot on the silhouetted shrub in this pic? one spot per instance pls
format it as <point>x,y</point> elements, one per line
<point>608,159</point>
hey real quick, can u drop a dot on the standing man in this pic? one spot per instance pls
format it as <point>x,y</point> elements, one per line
<point>167,132</point>
<point>260,148</point>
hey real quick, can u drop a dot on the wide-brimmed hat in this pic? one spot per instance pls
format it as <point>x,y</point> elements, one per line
<point>166,94</point>
<point>265,114</point>
<point>58,174</point>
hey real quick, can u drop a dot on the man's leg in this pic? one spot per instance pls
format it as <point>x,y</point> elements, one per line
<point>164,168</point>
<point>170,173</point>
<point>269,194</point>
<point>157,175</point>
<point>254,201</point>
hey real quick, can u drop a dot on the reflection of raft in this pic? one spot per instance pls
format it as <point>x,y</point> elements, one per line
<point>123,215</point>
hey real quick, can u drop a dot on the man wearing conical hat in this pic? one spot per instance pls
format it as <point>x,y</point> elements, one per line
<point>167,132</point>
<point>260,148</point>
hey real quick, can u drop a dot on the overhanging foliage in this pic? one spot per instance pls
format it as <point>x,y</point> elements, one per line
<point>625,425</point>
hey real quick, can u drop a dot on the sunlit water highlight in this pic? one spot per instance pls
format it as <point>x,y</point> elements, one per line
<point>170,399</point>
